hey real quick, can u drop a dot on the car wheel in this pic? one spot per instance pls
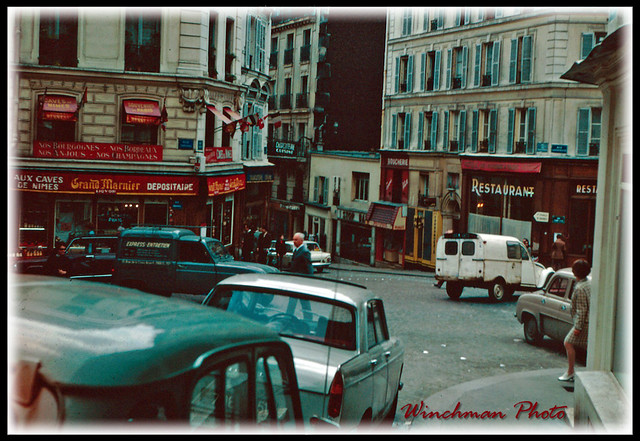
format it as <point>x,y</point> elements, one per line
<point>454,290</point>
<point>531,332</point>
<point>498,291</point>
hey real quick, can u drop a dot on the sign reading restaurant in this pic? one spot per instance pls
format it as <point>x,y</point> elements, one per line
<point>85,183</point>
<point>97,150</point>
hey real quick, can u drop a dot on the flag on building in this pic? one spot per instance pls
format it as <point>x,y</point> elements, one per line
<point>83,99</point>
<point>275,120</point>
<point>164,117</point>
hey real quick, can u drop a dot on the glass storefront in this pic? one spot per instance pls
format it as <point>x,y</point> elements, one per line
<point>72,219</point>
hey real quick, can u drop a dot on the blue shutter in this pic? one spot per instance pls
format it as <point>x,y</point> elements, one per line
<point>434,130</point>
<point>407,131</point>
<point>423,69</point>
<point>397,74</point>
<point>493,130</point>
<point>511,125</point>
<point>476,66</point>
<point>527,47</point>
<point>420,130</point>
<point>465,62</point>
<point>495,64</point>
<point>445,132</point>
<point>394,130</point>
<point>513,61</point>
<point>436,71</point>
<point>410,74</point>
<point>531,130</point>
<point>582,142</point>
<point>448,71</point>
<point>474,131</point>
<point>586,44</point>
<point>462,137</point>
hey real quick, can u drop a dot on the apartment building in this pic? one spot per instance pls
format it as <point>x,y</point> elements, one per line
<point>480,131</point>
<point>136,116</point>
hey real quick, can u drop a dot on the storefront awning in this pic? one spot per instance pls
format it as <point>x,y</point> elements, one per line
<point>499,166</point>
<point>385,215</point>
<point>59,108</point>
<point>142,112</point>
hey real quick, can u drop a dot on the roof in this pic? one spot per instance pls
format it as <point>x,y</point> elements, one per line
<point>93,334</point>
<point>165,232</point>
<point>326,289</point>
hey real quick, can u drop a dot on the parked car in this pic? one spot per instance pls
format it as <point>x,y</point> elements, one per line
<point>164,260</point>
<point>319,259</point>
<point>89,257</point>
<point>548,311</point>
<point>348,365</point>
<point>86,353</point>
<point>501,264</point>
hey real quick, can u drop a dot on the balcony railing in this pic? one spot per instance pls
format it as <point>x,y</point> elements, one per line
<point>453,146</point>
<point>305,53</point>
<point>285,101</point>
<point>483,146</point>
<point>273,60</point>
<point>288,56</point>
<point>594,149</point>
<point>302,101</point>
<point>521,147</point>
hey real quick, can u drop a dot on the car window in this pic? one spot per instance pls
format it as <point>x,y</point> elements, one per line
<point>273,393</point>
<point>513,250</point>
<point>558,286</point>
<point>193,252</point>
<point>78,246</point>
<point>104,246</point>
<point>292,316</point>
<point>217,249</point>
<point>451,248</point>
<point>468,248</point>
<point>313,246</point>
<point>220,397</point>
<point>376,324</point>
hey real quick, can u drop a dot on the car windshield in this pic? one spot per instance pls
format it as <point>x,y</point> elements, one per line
<point>297,317</point>
<point>217,249</point>
<point>312,246</point>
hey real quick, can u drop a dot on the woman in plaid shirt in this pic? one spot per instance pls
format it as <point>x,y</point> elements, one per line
<point>578,334</point>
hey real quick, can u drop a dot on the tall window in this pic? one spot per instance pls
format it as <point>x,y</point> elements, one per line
<point>255,44</point>
<point>58,38</point>
<point>430,71</point>
<point>55,125</point>
<point>321,190</point>
<point>484,126</point>
<point>589,129</point>
<point>360,186</point>
<point>425,130</point>
<point>139,122</point>
<point>213,23</point>
<point>142,42</point>
<point>520,60</point>
<point>407,21</point>
<point>401,131</point>
<point>521,130</point>
<point>487,64</point>
<point>455,130</point>
<point>457,67</point>
<point>404,74</point>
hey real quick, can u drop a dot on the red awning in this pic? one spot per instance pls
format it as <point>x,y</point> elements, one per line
<point>142,112</point>
<point>219,114</point>
<point>497,166</point>
<point>385,216</point>
<point>59,108</point>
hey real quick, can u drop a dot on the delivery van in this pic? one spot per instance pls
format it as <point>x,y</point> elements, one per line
<point>499,263</point>
<point>166,260</point>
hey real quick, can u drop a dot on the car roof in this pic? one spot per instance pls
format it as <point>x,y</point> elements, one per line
<point>326,289</point>
<point>94,334</point>
<point>158,232</point>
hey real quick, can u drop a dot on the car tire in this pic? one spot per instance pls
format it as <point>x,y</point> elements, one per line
<point>532,334</point>
<point>454,290</point>
<point>498,291</point>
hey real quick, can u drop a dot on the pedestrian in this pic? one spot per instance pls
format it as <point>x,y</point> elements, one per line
<point>57,263</point>
<point>578,335</point>
<point>301,259</point>
<point>264,241</point>
<point>557,253</point>
<point>247,244</point>
<point>281,250</point>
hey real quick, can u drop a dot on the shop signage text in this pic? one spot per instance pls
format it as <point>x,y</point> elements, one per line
<point>96,150</point>
<point>225,184</point>
<point>586,189</point>
<point>218,154</point>
<point>480,188</point>
<point>104,184</point>
<point>396,161</point>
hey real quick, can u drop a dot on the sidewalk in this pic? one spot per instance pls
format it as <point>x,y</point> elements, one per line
<point>381,268</point>
<point>521,402</point>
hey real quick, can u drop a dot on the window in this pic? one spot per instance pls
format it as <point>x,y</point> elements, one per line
<point>484,131</point>
<point>463,16</point>
<point>423,190</point>
<point>254,49</point>
<point>457,67</point>
<point>288,52</point>
<point>377,331</point>
<point>520,60</point>
<point>430,71</point>
<point>404,74</point>
<point>407,21</point>
<point>451,248</point>
<point>321,190</point>
<point>589,131</point>
<point>433,19</point>
<point>58,38</point>
<point>588,41</point>
<point>213,21</point>
<point>453,181</point>
<point>521,130</point>
<point>361,186</point>
<point>273,393</point>
<point>53,125</point>
<point>425,129</point>
<point>139,122</point>
<point>401,131</point>
<point>468,248</point>
<point>193,252</point>
<point>305,50</point>
<point>486,64</point>
<point>455,130</point>
<point>142,42</point>
<point>558,286</point>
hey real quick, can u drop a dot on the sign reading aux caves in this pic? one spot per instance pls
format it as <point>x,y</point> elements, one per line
<point>481,188</point>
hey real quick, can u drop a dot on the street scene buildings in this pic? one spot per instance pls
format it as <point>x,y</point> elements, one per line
<point>372,132</point>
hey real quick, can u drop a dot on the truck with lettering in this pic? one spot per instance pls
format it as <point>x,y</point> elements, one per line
<point>501,264</point>
<point>165,260</point>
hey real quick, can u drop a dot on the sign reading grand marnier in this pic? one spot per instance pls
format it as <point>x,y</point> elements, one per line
<point>85,183</point>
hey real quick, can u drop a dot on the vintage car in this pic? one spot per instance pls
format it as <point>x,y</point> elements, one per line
<point>85,353</point>
<point>548,311</point>
<point>319,259</point>
<point>90,257</point>
<point>348,366</point>
<point>501,264</point>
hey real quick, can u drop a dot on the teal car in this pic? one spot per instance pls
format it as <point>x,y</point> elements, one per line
<point>85,352</point>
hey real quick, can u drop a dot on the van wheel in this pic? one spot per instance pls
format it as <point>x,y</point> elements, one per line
<point>498,291</point>
<point>454,290</point>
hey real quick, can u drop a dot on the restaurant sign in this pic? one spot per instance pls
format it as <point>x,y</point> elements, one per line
<point>218,154</point>
<point>218,185</point>
<point>97,151</point>
<point>109,184</point>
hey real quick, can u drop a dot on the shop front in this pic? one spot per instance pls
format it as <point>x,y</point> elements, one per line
<point>353,235</point>
<point>259,179</point>
<point>388,220</point>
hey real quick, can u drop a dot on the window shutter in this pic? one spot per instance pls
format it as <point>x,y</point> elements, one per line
<point>315,188</point>
<point>420,130</point>
<point>407,131</point>
<point>531,130</point>
<point>410,74</point>
<point>434,130</point>
<point>445,131</point>
<point>397,75</point>
<point>476,66</point>
<point>526,71</point>
<point>582,145</point>
<point>261,43</point>
<point>513,61</point>
<point>394,129</point>
<point>436,71</point>
<point>448,72</point>
<point>495,64</point>
<point>462,137</point>
<point>493,128</point>
<point>511,124</point>
<point>587,44</point>
<point>474,131</point>
<point>465,62</point>
<point>423,70</point>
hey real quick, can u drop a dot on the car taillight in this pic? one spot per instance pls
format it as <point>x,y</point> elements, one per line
<point>335,396</point>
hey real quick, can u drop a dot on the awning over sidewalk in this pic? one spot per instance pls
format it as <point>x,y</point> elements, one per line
<point>386,215</point>
<point>499,166</point>
<point>142,112</point>
<point>59,108</point>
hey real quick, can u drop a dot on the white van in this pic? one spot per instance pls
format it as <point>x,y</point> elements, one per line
<point>499,263</point>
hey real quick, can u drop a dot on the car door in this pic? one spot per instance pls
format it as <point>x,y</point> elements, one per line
<point>379,348</point>
<point>555,308</point>
<point>528,277</point>
<point>195,269</point>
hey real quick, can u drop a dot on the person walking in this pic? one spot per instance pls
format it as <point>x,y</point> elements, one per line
<point>281,250</point>
<point>301,260</point>
<point>557,253</point>
<point>57,263</point>
<point>247,244</point>
<point>580,300</point>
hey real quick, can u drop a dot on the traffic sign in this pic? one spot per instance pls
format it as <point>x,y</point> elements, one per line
<point>541,216</point>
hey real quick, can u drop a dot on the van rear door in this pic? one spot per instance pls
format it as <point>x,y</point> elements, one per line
<point>448,258</point>
<point>471,259</point>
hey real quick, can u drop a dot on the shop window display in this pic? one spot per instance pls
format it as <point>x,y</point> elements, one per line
<point>73,219</point>
<point>112,217</point>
